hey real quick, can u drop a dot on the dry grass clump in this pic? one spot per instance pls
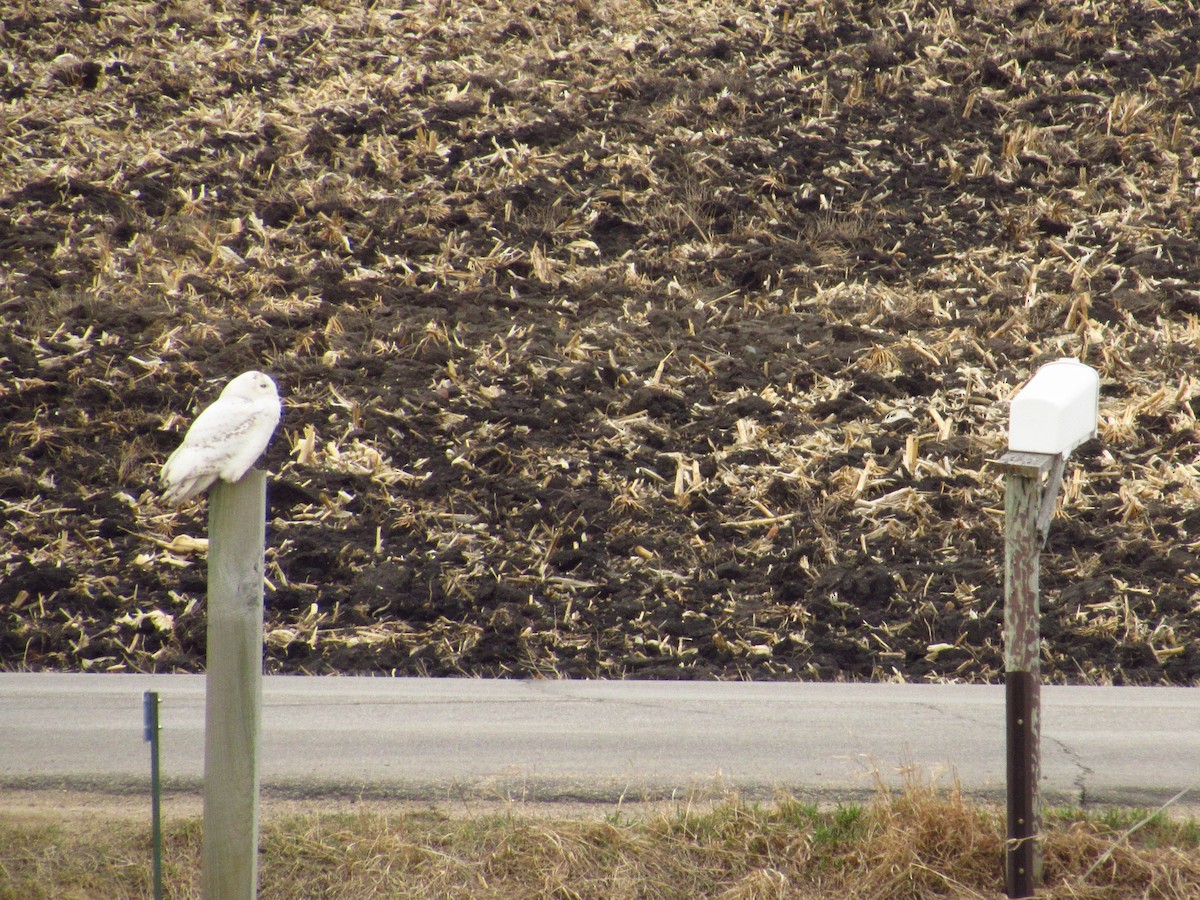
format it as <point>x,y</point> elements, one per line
<point>920,842</point>
<point>1123,853</point>
<point>45,857</point>
<point>924,842</point>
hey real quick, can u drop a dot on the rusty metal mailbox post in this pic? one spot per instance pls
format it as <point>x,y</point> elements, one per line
<point>1051,416</point>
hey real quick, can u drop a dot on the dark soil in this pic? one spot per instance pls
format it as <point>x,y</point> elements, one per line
<point>617,339</point>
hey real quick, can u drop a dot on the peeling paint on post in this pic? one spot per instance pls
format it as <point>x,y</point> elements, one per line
<point>1024,503</point>
<point>1057,411</point>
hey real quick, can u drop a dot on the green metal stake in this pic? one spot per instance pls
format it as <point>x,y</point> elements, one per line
<point>150,710</point>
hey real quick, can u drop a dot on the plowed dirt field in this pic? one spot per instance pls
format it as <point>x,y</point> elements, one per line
<point>617,339</point>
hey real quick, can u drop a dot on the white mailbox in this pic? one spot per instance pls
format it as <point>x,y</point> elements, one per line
<point>1057,411</point>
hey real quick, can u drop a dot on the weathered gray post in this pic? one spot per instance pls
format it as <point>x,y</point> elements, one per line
<point>1022,681</point>
<point>1051,416</point>
<point>233,703</point>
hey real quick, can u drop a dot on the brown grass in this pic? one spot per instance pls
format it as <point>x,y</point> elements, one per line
<point>918,843</point>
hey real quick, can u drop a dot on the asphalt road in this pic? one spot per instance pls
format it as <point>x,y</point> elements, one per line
<point>603,741</point>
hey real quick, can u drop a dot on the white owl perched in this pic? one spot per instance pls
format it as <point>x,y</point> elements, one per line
<point>225,440</point>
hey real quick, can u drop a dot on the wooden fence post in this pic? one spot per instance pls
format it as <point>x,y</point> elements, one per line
<point>233,687</point>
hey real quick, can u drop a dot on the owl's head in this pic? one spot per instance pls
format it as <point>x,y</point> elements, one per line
<point>251,386</point>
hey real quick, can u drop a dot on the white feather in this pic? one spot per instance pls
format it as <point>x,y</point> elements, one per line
<point>226,439</point>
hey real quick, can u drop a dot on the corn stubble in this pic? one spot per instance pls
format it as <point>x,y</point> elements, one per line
<point>618,339</point>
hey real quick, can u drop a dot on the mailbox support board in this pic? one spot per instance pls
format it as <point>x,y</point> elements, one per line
<point>1029,504</point>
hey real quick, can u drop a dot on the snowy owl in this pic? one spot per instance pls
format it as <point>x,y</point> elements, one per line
<point>225,440</point>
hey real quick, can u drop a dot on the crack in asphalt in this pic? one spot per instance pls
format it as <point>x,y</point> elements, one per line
<point>1080,782</point>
